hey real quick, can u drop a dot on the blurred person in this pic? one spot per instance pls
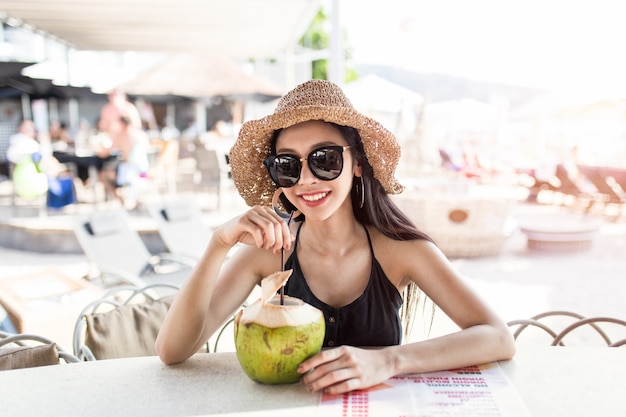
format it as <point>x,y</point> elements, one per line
<point>36,170</point>
<point>60,139</point>
<point>129,146</point>
<point>24,142</point>
<point>117,107</point>
<point>109,133</point>
<point>63,150</point>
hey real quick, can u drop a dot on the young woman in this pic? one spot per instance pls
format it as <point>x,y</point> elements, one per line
<point>353,253</point>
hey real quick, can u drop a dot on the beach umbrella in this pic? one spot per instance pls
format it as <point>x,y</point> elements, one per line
<point>201,76</point>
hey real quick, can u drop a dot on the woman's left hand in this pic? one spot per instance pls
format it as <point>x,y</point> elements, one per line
<point>344,369</point>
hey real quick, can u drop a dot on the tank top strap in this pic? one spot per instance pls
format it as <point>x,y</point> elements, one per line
<point>295,246</point>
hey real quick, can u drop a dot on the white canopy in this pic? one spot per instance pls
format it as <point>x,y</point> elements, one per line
<point>236,28</point>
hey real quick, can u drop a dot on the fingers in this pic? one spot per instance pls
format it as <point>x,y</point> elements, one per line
<point>325,356</point>
<point>335,371</point>
<point>337,382</point>
<point>268,230</point>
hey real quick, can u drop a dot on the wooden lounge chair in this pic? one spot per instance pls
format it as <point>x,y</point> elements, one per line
<point>619,177</point>
<point>610,198</point>
<point>571,187</point>
<point>598,177</point>
<point>568,186</point>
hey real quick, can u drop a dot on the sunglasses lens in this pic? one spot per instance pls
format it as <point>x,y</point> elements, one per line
<point>326,163</point>
<point>284,170</point>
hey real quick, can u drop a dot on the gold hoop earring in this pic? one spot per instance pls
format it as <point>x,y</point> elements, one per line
<point>276,206</point>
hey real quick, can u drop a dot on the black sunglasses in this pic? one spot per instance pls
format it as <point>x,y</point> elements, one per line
<point>326,163</point>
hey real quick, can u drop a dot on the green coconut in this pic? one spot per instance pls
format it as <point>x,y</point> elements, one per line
<point>271,339</point>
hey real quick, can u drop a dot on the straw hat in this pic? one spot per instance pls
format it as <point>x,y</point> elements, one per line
<point>312,100</point>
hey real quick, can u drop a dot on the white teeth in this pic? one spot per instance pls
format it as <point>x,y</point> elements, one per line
<point>314,197</point>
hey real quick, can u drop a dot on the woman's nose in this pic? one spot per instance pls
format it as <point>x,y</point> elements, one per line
<point>306,176</point>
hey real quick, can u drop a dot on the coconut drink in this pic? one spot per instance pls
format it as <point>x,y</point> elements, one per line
<point>272,339</point>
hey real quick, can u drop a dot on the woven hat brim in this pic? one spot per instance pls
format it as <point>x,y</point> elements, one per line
<point>253,147</point>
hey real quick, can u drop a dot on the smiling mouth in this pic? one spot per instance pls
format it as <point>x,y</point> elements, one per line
<point>314,197</point>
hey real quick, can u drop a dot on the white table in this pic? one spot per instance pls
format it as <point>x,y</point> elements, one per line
<point>552,381</point>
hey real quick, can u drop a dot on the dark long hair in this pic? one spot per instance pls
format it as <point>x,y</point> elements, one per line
<point>380,211</point>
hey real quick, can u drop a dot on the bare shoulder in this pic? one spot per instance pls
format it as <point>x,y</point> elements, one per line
<point>387,247</point>
<point>407,260</point>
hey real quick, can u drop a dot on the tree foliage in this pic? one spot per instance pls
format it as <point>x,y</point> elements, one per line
<point>317,38</point>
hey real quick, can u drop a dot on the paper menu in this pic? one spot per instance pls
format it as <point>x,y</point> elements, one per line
<point>483,391</point>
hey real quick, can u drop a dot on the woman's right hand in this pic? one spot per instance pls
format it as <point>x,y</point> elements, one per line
<point>259,226</point>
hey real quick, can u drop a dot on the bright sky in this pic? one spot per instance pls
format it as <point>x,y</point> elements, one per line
<point>554,44</point>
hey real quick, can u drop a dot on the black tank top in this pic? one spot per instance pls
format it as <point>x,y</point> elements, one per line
<point>371,320</point>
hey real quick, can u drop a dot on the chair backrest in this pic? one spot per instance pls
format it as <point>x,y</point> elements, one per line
<point>557,327</point>
<point>110,242</point>
<point>123,323</point>
<point>213,169</point>
<point>207,163</point>
<point>181,226</point>
<point>29,350</point>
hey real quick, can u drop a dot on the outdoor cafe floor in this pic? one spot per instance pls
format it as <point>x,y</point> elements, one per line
<point>518,283</point>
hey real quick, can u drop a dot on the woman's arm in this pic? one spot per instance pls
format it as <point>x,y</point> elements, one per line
<point>182,331</point>
<point>213,293</point>
<point>483,336</point>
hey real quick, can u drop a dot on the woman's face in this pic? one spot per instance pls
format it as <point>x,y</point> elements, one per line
<point>314,197</point>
